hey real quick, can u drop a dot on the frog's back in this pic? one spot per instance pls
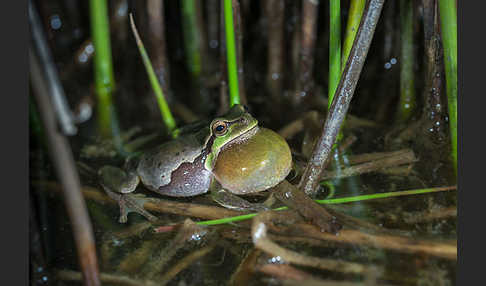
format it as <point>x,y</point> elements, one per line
<point>162,169</point>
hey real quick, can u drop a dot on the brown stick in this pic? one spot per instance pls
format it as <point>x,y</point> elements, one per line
<point>263,242</point>
<point>223,90</point>
<point>184,263</point>
<point>156,23</point>
<point>433,110</point>
<point>305,206</point>
<point>344,94</point>
<point>305,82</point>
<point>156,205</point>
<point>447,249</point>
<point>65,167</point>
<point>68,275</point>
<point>372,166</point>
<point>275,10</point>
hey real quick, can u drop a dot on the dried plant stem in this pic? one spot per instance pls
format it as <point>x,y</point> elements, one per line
<point>387,162</point>
<point>156,23</point>
<point>433,113</point>
<point>115,279</point>
<point>62,158</point>
<point>184,263</point>
<point>344,94</point>
<point>275,13</point>
<point>305,82</point>
<point>263,242</point>
<point>156,205</point>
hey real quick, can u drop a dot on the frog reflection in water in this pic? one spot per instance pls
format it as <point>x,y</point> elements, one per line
<point>232,155</point>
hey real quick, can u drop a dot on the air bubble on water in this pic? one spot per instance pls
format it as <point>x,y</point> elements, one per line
<point>213,44</point>
<point>56,22</point>
<point>388,66</point>
<point>89,48</point>
<point>83,57</point>
<point>393,61</point>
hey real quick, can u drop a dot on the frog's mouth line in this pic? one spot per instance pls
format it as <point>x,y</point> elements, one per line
<point>243,137</point>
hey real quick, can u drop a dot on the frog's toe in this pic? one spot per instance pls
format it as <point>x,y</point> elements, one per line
<point>134,203</point>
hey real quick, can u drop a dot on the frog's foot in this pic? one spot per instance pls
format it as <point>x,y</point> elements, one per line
<point>131,203</point>
<point>230,201</point>
<point>119,185</point>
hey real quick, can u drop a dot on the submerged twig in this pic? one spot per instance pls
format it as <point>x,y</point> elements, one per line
<point>263,242</point>
<point>156,205</point>
<point>344,94</point>
<point>65,167</point>
<point>184,263</point>
<point>391,161</point>
<point>69,275</point>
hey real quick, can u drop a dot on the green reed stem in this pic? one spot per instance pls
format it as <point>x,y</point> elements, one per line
<point>191,38</point>
<point>356,8</point>
<point>407,103</point>
<point>231,53</point>
<point>334,48</point>
<point>448,20</point>
<point>336,201</point>
<point>103,67</point>
<point>154,81</point>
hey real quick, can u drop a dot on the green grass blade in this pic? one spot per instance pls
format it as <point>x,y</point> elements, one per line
<point>335,201</point>
<point>154,82</point>
<point>191,37</point>
<point>406,105</point>
<point>354,18</point>
<point>231,53</point>
<point>103,67</point>
<point>448,20</point>
<point>334,48</point>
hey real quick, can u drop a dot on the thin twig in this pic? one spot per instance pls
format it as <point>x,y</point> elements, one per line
<point>69,275</point>
<point>344,94</point>
<point>156,22</point>
<point>66,173</point>
<point>275,12</point>
<point>55,89</point>
<point>156,205</point>
<point>372,166</point>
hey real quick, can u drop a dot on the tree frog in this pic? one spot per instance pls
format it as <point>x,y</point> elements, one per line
<point>231,155</point>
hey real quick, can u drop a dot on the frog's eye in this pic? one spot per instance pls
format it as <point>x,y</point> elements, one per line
<point>220,128</point>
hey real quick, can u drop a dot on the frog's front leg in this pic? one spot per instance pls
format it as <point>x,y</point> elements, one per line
<point>119,185</point>
<point>232,201</point>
